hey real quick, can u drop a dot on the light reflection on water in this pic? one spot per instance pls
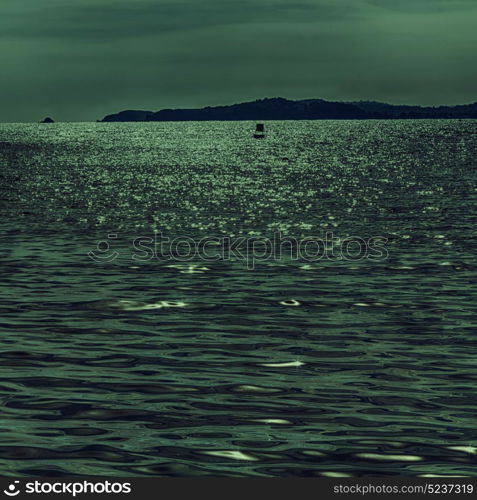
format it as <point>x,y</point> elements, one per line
<point>290,368</point>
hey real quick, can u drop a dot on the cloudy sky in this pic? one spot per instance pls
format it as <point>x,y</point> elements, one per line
<point>82,59</point>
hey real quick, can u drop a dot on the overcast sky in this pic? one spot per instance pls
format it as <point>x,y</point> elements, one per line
<point>83,59</point>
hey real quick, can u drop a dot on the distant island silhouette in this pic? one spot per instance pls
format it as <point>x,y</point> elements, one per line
<point>278,108</point>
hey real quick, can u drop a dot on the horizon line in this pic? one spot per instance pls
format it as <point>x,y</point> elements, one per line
<point>432,106</point>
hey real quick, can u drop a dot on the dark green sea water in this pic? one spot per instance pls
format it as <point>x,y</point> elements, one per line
<point>289,368</point>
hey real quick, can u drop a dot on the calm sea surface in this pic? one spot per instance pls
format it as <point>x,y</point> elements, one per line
<point>288,367</point>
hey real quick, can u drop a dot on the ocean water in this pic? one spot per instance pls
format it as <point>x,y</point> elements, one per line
<point>127,362</point>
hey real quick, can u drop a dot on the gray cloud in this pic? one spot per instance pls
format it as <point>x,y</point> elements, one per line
<point>82,59</point>
<point>425,6</point>
<point>106,20</point>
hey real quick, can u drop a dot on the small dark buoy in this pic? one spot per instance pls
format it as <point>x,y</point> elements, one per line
<point>260,131</point>
<point>48,120</point>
